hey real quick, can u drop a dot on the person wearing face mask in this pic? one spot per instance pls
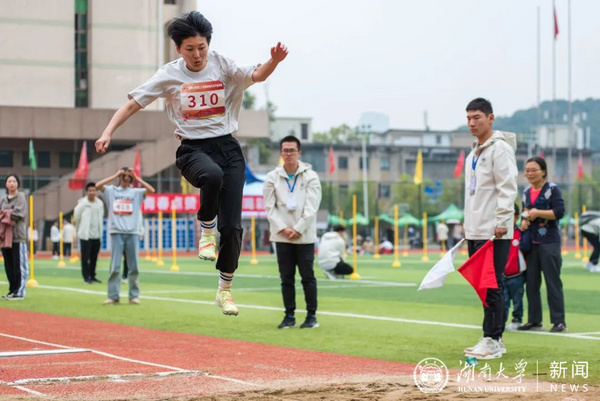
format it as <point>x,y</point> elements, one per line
<point>543,207</point>
<point>203,92</point>
<point>124,213</point>
<point>13,237</point>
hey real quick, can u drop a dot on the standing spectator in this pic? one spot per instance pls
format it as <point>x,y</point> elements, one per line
<point>490,192</point>
<point>13,234</point>
<point>32,234</point>
<point>292,194</point>
<point>513,279</point>
<point>441,230</point>
<point>88,215</point>
<point>124,214</point>
<point>55,239</point>
<point>203,93</point>
<point>590,229</point>
<point>457,233</point>
<point>68,236</point>
<point>543,207</point>
<point>331,252</point>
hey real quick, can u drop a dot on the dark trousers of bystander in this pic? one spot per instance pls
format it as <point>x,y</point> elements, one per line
<point>288,257</point>
<point>493,314</point>
<point>89,257</point>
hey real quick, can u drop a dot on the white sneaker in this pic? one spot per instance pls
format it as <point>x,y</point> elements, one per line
<point>488,348</point>
<point>224,301</point>
<point>467,350</point>
<point>502,346</point>
<point>330,274</point>
<point>514,326</point>
<point>588,266</point>
<point>207,247</point>
<point>595,269</point>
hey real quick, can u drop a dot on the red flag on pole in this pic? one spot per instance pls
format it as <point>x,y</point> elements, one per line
<point>331,160</point>
<point>460,164</point>
<point>542,154</point>
<point>555,24</point>
<point>137,166</point>
<point>479,271</point>
<point>580,167</point>
<point>80,177</point>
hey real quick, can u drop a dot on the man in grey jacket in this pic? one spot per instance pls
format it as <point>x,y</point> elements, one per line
<point>292,194</point>
<point>88,216</point>
<point>490,193</point>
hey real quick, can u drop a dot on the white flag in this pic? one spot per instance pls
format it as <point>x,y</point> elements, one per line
<point>437,275</point>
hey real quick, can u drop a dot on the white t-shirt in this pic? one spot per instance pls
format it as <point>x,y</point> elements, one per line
<point>203,104</point>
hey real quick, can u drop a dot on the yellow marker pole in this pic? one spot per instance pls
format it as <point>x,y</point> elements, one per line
<point>564,240</point>
<point>354,275</point>
<point>61,262</point>
<point>424,258</point>
<point>174,267</point>
<point>584,255</point>
<point>396,262</point>
<point>577,253</point>
<point>153,247</point>
<point>159,259</point>
<point>147,240</point>
<point>405,252</point>
<point>376,254</point>
<point>253,261</point>
<point>74,249</point>
<point>32,281</point>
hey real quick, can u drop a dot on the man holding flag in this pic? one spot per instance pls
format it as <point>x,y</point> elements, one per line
<point>490,192</point>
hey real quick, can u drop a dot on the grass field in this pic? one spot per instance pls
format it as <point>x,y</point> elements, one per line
<point>380,316</point>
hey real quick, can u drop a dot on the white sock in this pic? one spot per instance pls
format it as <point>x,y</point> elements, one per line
<point>208,227</point>
<point>225,280</point>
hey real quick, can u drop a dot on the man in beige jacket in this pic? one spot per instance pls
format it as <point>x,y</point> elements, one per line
<point>292,194</point>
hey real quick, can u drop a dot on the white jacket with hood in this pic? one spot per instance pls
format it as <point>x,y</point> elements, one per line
<point>331,250</point>
<point>84,212</point>
<point>308,198</point>
<point>492,203</point>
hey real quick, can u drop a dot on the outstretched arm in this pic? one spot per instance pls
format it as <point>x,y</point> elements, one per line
<point>149,188</point>
<point>278,53</point>
<point>120,116</point>
<point>100,184</point>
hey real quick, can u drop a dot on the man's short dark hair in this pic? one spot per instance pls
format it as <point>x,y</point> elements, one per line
<point>290,138</point>
<point>188,26</point>
<point>480,104</point>
<point>90,184</point>
<point>338,227</point>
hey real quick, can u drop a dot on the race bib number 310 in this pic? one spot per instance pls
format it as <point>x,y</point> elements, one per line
<point>202,100</point>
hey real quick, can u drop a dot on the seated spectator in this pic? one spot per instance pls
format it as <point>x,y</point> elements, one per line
<point>386,247</point>
<point>331,250</point>
<point>367,247</point>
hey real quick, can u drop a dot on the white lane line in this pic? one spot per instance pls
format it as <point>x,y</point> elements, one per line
<point>30,391</point>
<point>173,368</point>
<point>43,352</point>
<point>72,379</point>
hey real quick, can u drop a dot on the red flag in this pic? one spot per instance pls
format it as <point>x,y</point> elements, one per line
<point>80,176</point>
<point>331,160</point>
<point>460,164</point>
<point>137,166</point>
<point>479,271</point>
<point>542,154</point>
<point>580,167</point>
<point>555,24</point>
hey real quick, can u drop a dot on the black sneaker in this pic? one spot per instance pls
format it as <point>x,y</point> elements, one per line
<point>310,322</point>
<point>6,296</point>
<point>95,280</point>
<point>558,328</point>
<point>532,327</point>
<point>14,297</point>
<point>287,323</point>
<point>87,281</point>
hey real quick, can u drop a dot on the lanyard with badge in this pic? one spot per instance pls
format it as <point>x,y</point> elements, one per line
<point>473,183</point>
<point>291,203</point>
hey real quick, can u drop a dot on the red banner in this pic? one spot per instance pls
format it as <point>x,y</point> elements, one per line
<point>189,203</point>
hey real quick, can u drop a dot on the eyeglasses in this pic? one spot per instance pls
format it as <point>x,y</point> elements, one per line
<point>289,151</point>
<point>531,171</point>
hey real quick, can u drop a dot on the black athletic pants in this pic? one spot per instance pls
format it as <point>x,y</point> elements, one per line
<point>288,257</point>
<point>217,167</point>
<point>493,314</point>
<point>89,257</point>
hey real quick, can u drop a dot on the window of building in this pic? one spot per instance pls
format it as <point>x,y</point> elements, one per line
<point>304,131</point>
<point>6,158</point>
<point>43,159</point>
<point>65,160</point>
<point>384,191</point>
<point>81,54</point>
<point>172,2</point>
<point>385,163</point>
<point>438,139</point>
<point>343,163</point>
<point>316,159</point>
<point>25,158</point>
<point>360,163</point>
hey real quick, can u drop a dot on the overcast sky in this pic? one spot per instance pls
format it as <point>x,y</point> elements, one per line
<point>401,57</point>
